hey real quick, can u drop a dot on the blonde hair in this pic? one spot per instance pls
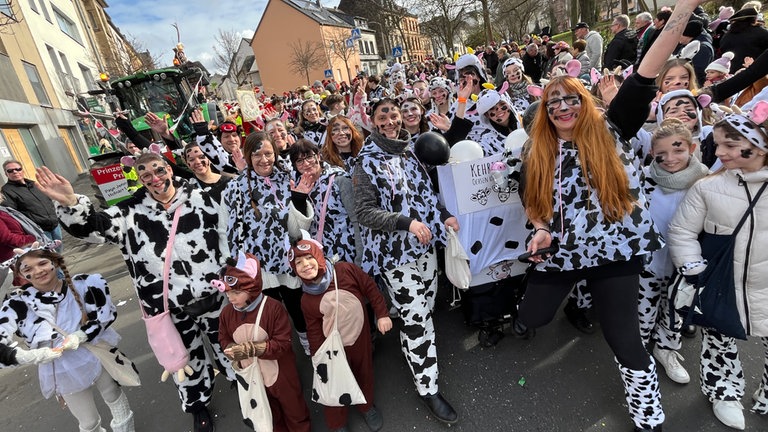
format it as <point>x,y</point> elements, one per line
<point>601,166</point>
<point>672,127</point>
<point>693,86</point>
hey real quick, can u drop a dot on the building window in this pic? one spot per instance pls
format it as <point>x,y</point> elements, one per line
<point>45,10</point>
<point>67,25</point>
<point>88,78</point>
<point>37,84</point>
<point>33,5</point>
<point>94,22</point>
<point>10,86</point>
<point>5,9</point>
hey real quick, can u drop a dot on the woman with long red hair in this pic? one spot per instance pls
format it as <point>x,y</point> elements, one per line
<point>592,212</point>
<point>342,142</point>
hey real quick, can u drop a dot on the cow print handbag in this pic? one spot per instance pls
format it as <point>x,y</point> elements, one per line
<point>333,383</point>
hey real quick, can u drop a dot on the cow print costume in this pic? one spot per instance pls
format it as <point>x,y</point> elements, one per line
<point>140,226</point>
<point>391,189</point>
<point>220,159</point>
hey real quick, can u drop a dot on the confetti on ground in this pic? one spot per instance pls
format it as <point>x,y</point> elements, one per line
<point>521,382</point>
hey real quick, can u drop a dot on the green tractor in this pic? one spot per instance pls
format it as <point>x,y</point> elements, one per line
<point>169,93</point>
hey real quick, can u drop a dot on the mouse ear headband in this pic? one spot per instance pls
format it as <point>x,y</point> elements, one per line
<point>20,252</point>
<point>129,161</point>
<point>749,124</point>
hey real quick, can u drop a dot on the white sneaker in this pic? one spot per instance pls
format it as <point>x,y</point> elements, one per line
<point>670,360</point>
<point>304,342</point>
<point>730,413</point>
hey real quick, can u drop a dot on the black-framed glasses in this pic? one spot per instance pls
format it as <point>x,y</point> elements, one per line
<point>570,100</point>
<point>309,160</point>
<point>13,170</point>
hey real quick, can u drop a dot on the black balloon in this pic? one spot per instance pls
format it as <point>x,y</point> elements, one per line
<point>432,149</point>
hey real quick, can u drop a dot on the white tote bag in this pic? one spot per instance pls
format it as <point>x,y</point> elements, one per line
<point>456,262</point>
<point>254,404</point>
<point>333,383</point>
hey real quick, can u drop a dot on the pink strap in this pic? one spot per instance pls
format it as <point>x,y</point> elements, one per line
<point>319,235</point>
<point>168,254</point>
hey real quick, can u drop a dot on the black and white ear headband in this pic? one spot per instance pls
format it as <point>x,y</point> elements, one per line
<point>20,252</point>
<point>749,124</point>
<point>130,160</point>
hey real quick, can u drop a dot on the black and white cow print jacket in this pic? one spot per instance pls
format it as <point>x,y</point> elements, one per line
<point>314,132</point>
<point>578,224</point>
<point>140,226</point>
<point>266,233</point>
<point>392,189</point>
<point>29,313</point>
<point>341,233</point>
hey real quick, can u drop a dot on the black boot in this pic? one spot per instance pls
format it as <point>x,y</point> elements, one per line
<point>490,335</point>
<point>688,331</point>
<point>578,317</point>
<point>203,422</point>
<point>440,408</point>
<point>654,429</point>
<point>521,330</point>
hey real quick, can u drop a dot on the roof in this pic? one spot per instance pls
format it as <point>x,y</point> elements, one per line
<point>314,11</point>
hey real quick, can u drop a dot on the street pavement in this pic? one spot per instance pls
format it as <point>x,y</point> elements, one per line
<point>561,380</point>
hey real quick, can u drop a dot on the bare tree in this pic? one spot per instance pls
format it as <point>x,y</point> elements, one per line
<point>8,16</point>
<point>305,56</point>
<point>337,46</point>
<point>515,17</point>
<point>227,43</point>
<point>141,57</point>
<point>444,19</point>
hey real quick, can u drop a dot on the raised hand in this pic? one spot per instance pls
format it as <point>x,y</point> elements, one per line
<point>158,125</point>
<point>440,121</point>
<point>305,185</point>
<point>55,187</point>
<point>239,159</point>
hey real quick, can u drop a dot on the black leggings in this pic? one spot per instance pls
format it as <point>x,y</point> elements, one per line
<point>291,299</point>
<point>615,298</point>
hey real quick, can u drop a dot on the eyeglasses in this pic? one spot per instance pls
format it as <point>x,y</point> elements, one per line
<point>340,130</point>
<point>159,173</point>
<point>570,100</point>
<point>265,156</point>
<point>309,160</point>
<point>13,170</point>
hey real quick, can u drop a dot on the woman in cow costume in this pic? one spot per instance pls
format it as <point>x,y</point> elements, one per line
<point>53,302</point>
<point>320,306</point>
<point>401,222</point>
<point>141,227</point>
<point>241,280</point>
<point>594,209</point>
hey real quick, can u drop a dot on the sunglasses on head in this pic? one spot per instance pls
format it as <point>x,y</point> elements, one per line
<point>228,127</point>
<point>13,170</point>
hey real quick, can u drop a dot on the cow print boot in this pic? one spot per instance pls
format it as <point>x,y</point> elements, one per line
<point>761,395</point>
<point>641,388</point>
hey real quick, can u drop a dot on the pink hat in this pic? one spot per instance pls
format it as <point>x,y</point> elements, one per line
<point>725,14</point>
<point>723,64</point>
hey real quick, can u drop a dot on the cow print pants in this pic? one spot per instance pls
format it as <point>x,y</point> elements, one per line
<point>722,377</point>
<point>413,288</point>
<point>653,307</point>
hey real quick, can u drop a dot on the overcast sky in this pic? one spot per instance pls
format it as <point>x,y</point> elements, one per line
<point>199,22</point>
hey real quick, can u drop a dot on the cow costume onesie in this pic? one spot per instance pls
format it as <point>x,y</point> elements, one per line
<point>319,304</point>
<point>80,306</point>
<point>141,227</point>
<point>400,220</point>
<point>272,346</point>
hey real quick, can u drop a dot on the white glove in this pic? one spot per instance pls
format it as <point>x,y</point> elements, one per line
<point>73,341</point>
<point>36,356</point>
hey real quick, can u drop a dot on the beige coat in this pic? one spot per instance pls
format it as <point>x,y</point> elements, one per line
<point>715,204</point>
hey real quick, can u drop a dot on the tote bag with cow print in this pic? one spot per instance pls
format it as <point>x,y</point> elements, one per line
<point>333,383</point>
<point>254,404</point>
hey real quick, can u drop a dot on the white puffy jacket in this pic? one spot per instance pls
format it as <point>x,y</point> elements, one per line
<point>715,204</point>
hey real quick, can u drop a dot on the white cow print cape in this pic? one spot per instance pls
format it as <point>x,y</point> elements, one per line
<point>338,230</point>
<point>220,159</point>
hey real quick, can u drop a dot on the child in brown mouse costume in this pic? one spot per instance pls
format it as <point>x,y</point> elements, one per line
<point>319,306</point>
<point>241,281</point>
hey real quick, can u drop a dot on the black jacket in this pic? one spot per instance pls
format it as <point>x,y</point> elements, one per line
<point>748,43</point>
<point>534,66</point>
<point>30,201</point>
<point>623,46</point>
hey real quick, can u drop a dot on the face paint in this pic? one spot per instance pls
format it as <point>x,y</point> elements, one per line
<point>692,115</point>
<point>659,159</point>
<point>385,109</point>
<point>677,143</point>
<point>747,153</point>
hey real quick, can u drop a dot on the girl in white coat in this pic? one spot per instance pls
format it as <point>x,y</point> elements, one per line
<point>714,205</point>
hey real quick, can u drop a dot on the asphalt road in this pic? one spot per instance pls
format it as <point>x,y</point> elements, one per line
<point>561,380</point>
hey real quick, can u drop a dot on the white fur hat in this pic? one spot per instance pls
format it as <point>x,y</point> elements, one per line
<point>723,64</point>
<point>514,61</point>
<point>472,60</point>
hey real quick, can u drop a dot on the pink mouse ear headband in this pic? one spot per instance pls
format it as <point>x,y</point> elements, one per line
<point>750,124</point>
<point>130,160</point>
<point>595,76</point>
<point>20,252</point>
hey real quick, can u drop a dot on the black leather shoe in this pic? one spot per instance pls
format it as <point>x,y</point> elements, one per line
<point>440,408</point>
<point>203,422</point>
<point>578,318</point>
<point>521,331</point>
<point>373,419</point>
<point>688,331</point>
<point>489,337</point>
<point>653,429</point>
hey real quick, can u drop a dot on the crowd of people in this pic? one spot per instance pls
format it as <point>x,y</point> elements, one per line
<point>319,221</point>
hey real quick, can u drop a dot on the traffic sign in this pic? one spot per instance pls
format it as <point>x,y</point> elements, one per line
<point>328,73</point>
<point>350,43</point>
<point>356,33</point>
<point>397,51</point>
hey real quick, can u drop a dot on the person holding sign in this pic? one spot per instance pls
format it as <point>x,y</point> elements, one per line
<point>593,209</point>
